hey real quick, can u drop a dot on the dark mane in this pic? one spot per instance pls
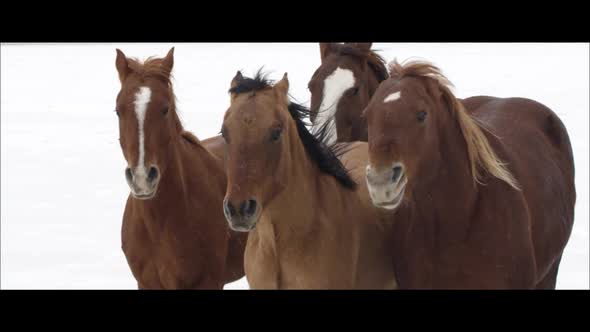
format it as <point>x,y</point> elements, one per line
<point>324,156</point>
<point>375,61</point>
<point>246,84</point>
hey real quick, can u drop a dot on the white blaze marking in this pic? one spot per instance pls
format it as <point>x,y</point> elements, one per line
<point>393,97</point>
<point>334,87</point>
<point>142,98</point>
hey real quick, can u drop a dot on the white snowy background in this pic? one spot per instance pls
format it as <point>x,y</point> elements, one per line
<point>63,189</point>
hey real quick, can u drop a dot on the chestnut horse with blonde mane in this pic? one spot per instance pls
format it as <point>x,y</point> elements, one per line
<point>310,225</point>
<point>342,86</point>
<point>174,234</point>
<point>482,198</point>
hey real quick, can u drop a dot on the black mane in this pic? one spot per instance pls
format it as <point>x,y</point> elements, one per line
<point>246,84</point>
<point>324,156</point>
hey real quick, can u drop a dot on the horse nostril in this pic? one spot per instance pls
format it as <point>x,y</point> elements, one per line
<point>397,171</point>
<point>152,174</point>
<point>228,208</point>
<point>248,208</point>
<point>128,174</point>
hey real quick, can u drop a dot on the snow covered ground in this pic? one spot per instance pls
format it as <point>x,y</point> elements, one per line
<point>63,189</point>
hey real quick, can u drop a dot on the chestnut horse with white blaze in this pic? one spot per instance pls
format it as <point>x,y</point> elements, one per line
<point>310,225</point>
<point>174,234</point>
<point>342,86</point>
<point>482,198</point>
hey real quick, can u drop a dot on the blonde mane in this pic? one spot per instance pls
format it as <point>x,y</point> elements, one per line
<point>481,155</point>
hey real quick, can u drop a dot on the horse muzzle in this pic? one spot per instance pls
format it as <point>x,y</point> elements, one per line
<point>242,217</point>
<point>387,186</point>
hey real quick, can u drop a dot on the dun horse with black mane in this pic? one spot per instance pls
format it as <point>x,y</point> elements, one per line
<point>310,224</point>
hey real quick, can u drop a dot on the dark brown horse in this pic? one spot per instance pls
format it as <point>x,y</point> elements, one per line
<point>341,88</point>
<point>174,234</point>
<point>310,225</point>
<point>482,199</point>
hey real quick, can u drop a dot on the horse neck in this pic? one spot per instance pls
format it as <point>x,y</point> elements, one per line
<point>452,178</point>
<point>296,207</point>
<point>186,165</point>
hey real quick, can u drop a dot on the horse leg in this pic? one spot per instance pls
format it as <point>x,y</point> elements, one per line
<point>550,279</point>
<point>213,282</point>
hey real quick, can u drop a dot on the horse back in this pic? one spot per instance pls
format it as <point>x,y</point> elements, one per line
<point>215,146</point>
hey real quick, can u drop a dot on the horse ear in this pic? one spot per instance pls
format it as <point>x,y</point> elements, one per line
<point>283,85</point>
<point>234,82</point>
<point>325,49</point>
<point>122,65</point>
<point>168,61</point>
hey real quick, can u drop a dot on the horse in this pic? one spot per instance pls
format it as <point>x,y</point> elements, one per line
<point>310,225</point>
<point>173,236</point>
<point>483,199</point>
<point>342,86</point>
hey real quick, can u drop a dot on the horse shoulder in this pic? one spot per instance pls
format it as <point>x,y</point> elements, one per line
<point>501,229</point>
<point>133,233</point>
<point>536,145</point>
<point>192,253</point>
<point>137,248</point>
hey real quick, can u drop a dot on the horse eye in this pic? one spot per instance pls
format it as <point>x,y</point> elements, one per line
<point>165,110</point>
<point>421,116</point>
<point>355,91</point>
<point>275,134</point>
<point>117,112</point>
